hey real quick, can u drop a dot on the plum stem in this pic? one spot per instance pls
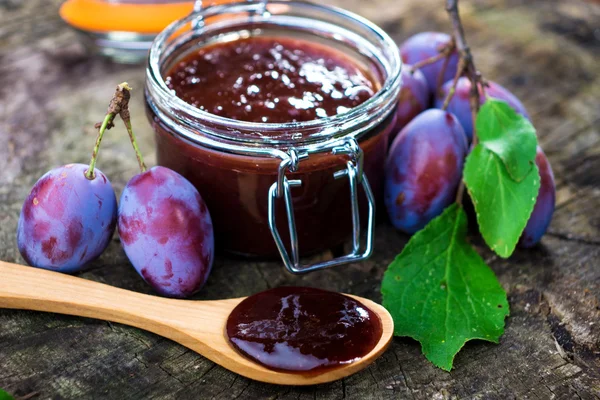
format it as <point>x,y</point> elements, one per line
<point>443,52</point>
<point>440,77</point>
<point>471,72</point>
<point>459,71</point>
<point>118,103</point>
<point>106,124</point>
<point>138,153</point>
<point>126,117</point>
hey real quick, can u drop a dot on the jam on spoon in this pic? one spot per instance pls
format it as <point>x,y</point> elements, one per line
<point>300,329</point>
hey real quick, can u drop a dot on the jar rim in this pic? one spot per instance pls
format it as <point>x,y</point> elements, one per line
<point>389,87</point>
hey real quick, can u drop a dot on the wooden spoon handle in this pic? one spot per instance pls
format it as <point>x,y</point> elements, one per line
<point>36,289</point>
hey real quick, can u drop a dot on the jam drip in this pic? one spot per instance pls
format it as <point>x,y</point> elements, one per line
<point>303,329</point>
<point>275,80</point>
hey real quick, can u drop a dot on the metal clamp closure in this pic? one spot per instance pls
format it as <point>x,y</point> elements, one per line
<point>355,174</point>
<point>288,164</point>
<point>351,148</point>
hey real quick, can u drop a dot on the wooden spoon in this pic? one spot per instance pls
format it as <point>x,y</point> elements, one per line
<point>198,325</point>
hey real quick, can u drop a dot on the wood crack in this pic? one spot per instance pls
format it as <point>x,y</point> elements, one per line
<point>568,237</point>
<point>406,385</point>
<point>235,378</point>
<point>243,390</point>
<point>576,392</point>
<point>573,352</point>
<point>170,374</point>
<point>281,394</point>
<point>136,356</point>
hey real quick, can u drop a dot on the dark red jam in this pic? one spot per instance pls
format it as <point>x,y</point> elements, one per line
<point>267,79</point>
<point>303,329</point>
<point>320,79</point>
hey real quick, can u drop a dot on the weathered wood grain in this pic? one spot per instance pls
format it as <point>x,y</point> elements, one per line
<point>546,51</point>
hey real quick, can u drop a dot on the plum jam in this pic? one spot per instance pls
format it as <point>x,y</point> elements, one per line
<point>291,96</point>
<point>303,329</point>
<point>270,79</point>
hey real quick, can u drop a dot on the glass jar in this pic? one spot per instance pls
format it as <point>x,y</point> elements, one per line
<point>290,188</point>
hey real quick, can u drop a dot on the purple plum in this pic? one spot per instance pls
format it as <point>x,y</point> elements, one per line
<point>423,169</point>
<point>414,97</point>
<point>459,104</point>
<point>167,232</point>
<point>67,220</point>
<point>425,45</point>
<point>544,205</point>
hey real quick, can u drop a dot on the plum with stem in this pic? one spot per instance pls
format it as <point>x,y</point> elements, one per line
<point>165,229</point>
<point>70,214</point>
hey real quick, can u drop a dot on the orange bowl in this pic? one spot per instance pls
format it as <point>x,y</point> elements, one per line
<point>104,16</point>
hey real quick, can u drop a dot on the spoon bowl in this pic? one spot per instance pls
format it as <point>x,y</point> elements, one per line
<point>198,325</point>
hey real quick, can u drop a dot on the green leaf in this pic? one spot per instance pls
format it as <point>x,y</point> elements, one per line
<point>5,396</point>
<point>509,135</point>
<point>503,206</point>
<point>440,292</point>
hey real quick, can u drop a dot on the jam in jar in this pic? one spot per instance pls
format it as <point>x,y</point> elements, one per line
<point>271,79</point>
<point>276,115</point>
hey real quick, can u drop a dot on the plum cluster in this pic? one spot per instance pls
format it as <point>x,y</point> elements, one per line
<point>67,220</point>
<point>166,230</point>
<point>425,162</point>
<point>70,215</point>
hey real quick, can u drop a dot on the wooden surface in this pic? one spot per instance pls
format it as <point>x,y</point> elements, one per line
<point>198,325</point>
<point>545,51</point>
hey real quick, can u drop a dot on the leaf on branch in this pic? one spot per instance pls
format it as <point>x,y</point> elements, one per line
<point>509,135</point>
<point>503,206</point>
<point>440,292</point>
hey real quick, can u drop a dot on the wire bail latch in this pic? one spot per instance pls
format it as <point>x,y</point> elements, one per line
<point>282,188</point>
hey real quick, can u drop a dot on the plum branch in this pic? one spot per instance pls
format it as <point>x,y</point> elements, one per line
<point>466,66</point>
<point>464,52</point>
